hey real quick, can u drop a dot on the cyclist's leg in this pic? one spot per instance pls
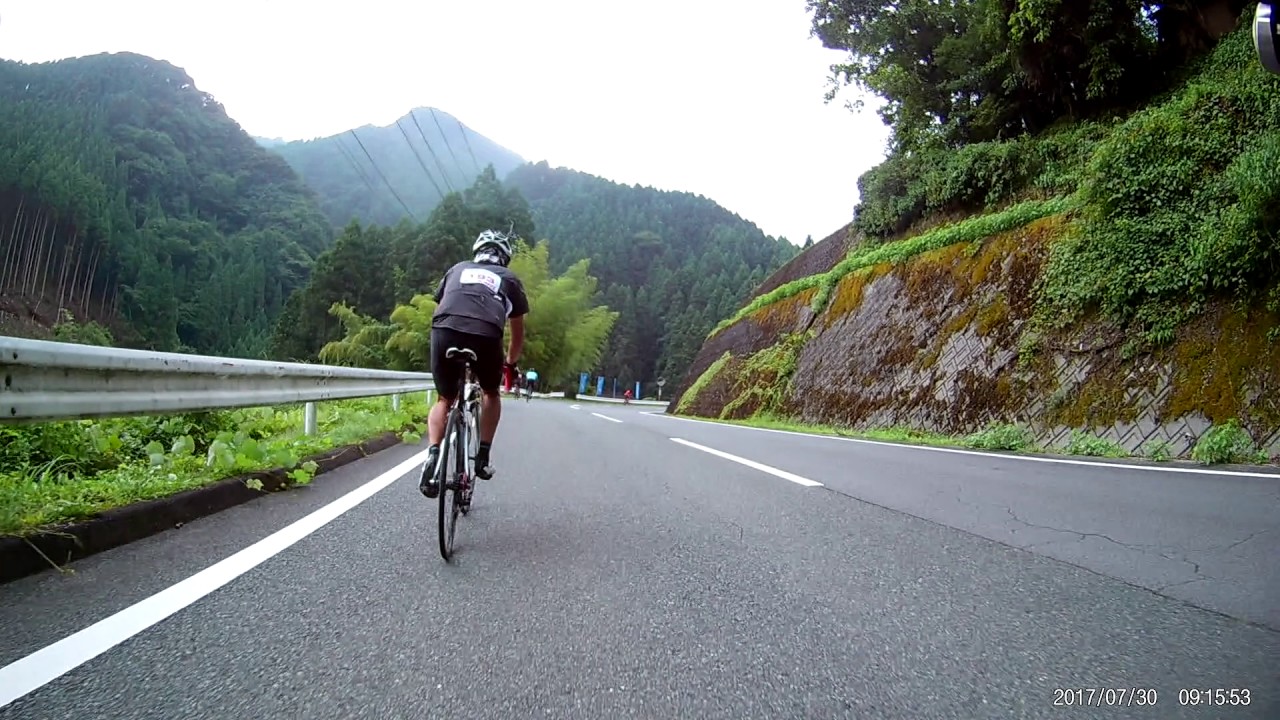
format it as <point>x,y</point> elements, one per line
<point>445,374</point>
<point>488,373</point>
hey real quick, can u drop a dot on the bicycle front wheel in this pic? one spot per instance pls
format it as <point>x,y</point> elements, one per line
<point>447,475</point>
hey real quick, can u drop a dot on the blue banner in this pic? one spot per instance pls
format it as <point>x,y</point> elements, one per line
<point>637,389</point>
<point>600,386</point>
<point>582,383</point>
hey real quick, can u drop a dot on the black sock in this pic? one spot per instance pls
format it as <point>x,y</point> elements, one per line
<point>483,455</point>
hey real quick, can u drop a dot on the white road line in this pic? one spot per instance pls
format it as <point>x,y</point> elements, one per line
<point>606,417</point>
<point>752,464</point>
<point>979,453</point>
<point>575,407</point>
<point>47,664</point>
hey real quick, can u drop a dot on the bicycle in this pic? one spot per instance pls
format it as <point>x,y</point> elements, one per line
<point>462,429</point>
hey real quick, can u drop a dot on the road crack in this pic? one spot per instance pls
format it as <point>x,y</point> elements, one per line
<point>1183,557</point>
<point>1079,535</point>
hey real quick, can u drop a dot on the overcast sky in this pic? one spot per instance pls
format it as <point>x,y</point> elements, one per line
<point>718,97</point>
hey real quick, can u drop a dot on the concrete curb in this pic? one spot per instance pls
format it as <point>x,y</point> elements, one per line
<point>124,525</point>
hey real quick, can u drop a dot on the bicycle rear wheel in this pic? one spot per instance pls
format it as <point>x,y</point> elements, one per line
<point>448,473</point>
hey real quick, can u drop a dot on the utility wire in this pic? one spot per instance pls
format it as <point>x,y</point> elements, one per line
<point>351,159</point>
<point>384,177</point>
<point>463,130</point>
<point>445,139</point>
<point>435,157</point>
<point>434,184</point>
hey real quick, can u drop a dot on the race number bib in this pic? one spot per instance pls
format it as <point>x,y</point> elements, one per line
<point>487,278</point>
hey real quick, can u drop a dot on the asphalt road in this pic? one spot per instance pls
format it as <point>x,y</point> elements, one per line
<point>609,571</point>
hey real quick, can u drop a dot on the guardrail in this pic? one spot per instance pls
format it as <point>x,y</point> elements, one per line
<point>45,380</point>
<point>618,401</point>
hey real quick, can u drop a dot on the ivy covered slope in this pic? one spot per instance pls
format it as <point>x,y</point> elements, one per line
<point>671,264</point>
<point>418,160</point>
<point>1106,281</point>
<point>127,196</point>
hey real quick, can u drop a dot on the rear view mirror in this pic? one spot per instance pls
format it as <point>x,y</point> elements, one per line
<point>1264,36</point>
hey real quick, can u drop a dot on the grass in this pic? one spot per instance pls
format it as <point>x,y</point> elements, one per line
<point>104,465</point>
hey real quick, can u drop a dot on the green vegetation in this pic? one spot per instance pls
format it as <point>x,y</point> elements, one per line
<point>426,155</point>
<point>128,197</point>
<point>91,333</point>
<point>764,380</point>
<point>372,270</point>
<point>1227,443</point>
<point>1179,205</point>
<point>865,256</point>
<point>564,330</point>
<point>55,473</point>
<point>1001,436</point>
<point>671,264</point>
<point>1083,443</point>
<point>1163,131</point>
<point>691,395</point>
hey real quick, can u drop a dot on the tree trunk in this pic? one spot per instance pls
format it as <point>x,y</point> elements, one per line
<point>50,250</point>
<point>62,271</point>
<point>90,276</point>
<point>7,239</point>
<point>75,275</point>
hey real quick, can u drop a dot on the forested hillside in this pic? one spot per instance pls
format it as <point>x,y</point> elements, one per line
<point>381,174</point>
<point>672,264</point>
<point>128,196</point>
<point>369,301</point>
<point>372,268</point>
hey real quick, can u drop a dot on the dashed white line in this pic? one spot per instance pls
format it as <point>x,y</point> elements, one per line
<point>49,663</point>
<point>606,417</point>
<point>575,407</point>
<point>752,464</point>
<point>979,453</point>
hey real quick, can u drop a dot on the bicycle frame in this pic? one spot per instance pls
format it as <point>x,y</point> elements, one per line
<point>458,449</point>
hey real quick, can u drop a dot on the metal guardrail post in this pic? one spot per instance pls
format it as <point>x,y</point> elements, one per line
<point>395,403</point>
<point>309,423</point>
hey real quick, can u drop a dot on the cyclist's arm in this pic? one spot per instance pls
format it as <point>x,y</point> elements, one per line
<point>519,308</point>
<point>440,288</point>
<point>517,339</point>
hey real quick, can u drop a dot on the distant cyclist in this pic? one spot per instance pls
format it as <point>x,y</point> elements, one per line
<point>530,381</point>
<point>474,301</point>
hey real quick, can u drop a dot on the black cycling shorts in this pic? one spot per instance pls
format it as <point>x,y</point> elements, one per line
<point>447,373</point>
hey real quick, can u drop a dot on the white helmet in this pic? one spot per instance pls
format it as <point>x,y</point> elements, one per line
<point>493,246</point>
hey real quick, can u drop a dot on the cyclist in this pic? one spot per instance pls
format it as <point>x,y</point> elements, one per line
<point>475,299</point>
<point>530,381</point>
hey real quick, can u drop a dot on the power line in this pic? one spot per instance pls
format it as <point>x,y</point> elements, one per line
<point>468,144</point>
<point>384,177</point>
<point>351,159</point>
<point>431,150</point>
<point>420,162</point>
<point>445,139</point>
